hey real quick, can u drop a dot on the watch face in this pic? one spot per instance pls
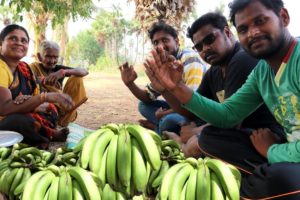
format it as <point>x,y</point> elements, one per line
<point>9,138</point>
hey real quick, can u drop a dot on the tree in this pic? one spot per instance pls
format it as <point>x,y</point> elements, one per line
<point>172,11</point>
<point>83,49</point>
<point>110,29</point>
<point>41,11</point>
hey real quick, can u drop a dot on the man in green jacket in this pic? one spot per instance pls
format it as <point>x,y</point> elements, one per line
<point>262,30</point>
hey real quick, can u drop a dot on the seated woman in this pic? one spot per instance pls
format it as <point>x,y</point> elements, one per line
<point>23,107</point>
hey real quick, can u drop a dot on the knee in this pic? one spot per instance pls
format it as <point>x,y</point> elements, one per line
<point>142,107</point>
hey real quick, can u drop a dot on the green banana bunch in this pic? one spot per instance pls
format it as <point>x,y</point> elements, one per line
<point>150,150</point>
<point>5,153</point>
<point>25,177</point>
<point>65,185</point>
<point>36,186</point>
<point>98,152</point>
<point>88,147</point>
<point>171,151</point>
<point>227,179</point>
<point>86,183</point>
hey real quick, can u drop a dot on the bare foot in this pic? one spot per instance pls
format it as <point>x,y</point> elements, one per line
<point>147,124</point>
<point>60,135</point>
<point>172,136</point>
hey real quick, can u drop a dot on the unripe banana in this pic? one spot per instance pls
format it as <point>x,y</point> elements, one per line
<point>227,179</point>
<point>139,171</point>
<point>203,182</point>
<point>26,175</point>
<point>191,185</point>
<point>148,145</point>
<point>77,192</point>
<point>111,162</point>
<point>54,189</point>
<point>216,188</point>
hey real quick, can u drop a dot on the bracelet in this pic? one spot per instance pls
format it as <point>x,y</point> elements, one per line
<point>42,97</point>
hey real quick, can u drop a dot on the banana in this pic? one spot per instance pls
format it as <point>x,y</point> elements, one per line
<point>111,162</point>
<point>112,126</point>
<point>154,174</point>
<point>78,147</point>
<point>227,179</point>
<point>54,189</point>
<point>139,171</point>
<point>86,182</point>
<point>192,161</point>
<point>108,193</point>
<point>3,179</point>
<point>77,192</point>
<point>236,173</point>
<point>41,188</point>
<point>54,168</point>
<point>5,152</point>
<point>98,151</point>
<point>148,145</point>
<point>183,192</point>
<point>31,184</point>
<point>26,175</point>
<point>203,182</point>
<point>120,196</point>
<point>191,185</point>
<point>16,181</point>
<point>30,150</point>
<point>3,166</point>
<point>170,143</point>
<point>124,156</point>
<point>155,137</point>
<point>88,147</point>
<point>65,186</point>
<point>168,179</point>
<point>216,188</point>
<point>102,171</point>
<point>179,181</point>
<point>164,168</point>
<point>9,179</point>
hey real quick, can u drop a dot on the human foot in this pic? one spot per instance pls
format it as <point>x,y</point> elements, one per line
<point>147,124</point>
<point>60,135</point>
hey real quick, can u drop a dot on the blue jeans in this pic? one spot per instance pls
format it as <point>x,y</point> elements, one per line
<point>171,122</point>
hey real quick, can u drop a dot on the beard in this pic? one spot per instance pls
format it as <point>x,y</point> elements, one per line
<point>274,47</point>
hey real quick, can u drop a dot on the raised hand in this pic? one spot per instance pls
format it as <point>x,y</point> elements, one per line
<point>21,98</point>
<point>165,68</point>
<point>128,73</point>
<point>154,81</point>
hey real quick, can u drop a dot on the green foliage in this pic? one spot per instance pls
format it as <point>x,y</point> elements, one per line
<point>83,50</point>
<point>59,9</point>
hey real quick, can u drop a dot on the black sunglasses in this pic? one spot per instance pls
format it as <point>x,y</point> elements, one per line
<point>208,40</point>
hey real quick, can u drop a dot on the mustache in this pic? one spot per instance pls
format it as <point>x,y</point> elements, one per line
<point>207,54</point>
<point>262,37</point>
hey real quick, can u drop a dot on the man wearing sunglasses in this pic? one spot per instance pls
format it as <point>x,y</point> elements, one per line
<point>230,67</point>
<point>158,114</point>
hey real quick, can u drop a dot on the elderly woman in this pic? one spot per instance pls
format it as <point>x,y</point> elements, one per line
<point>23,107</point>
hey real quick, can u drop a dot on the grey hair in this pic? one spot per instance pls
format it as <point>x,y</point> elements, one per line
<point>47,44</point>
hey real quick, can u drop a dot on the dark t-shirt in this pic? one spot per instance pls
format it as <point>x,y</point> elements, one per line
<point>217,88</point>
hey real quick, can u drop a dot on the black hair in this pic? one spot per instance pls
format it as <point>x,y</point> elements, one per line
<point>237,5</point>
<point>9,28</point>
<point>215,19</point>
<point>162,26</point>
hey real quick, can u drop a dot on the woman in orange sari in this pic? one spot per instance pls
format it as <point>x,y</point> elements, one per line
<point>24,108</point>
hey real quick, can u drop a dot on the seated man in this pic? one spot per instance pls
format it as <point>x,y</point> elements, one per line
<point>52,76</point>
<point>158,112</point>
<point>230,67</point>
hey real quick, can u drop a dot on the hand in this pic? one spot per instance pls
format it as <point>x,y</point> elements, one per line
<point>187,131</point>
<point>154,81</point>
<point>21,98</point>
<point>128,74</point>
<point>165,68</point>
<point>63,100</point>
<point>52,79</point>
<point>262,139</point>
<point>42,108</point>
<point>159,113</point>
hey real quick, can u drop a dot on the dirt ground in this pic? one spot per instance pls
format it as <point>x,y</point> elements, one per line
<point>109,100</point>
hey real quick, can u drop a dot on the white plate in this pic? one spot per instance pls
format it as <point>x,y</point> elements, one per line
<point>9,138</point>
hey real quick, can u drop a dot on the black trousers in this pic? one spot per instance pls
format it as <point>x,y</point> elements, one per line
<point>24,124</point>
<point>260,180</point>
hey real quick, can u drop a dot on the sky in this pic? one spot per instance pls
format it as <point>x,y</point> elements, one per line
<point>202,7</point>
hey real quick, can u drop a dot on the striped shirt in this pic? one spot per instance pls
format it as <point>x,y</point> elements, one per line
<point>193,67</point>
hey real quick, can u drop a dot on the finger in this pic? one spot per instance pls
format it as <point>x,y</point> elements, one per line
<point>162,54</point>
<point>156,58</point>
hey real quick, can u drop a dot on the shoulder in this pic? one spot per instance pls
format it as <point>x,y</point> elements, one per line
<point>189,56</point>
